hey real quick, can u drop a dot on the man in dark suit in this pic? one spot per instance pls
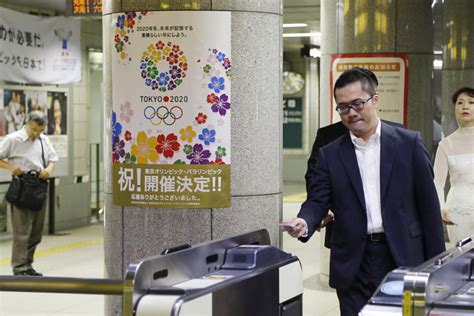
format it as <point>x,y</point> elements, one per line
<point>324,136</point>
<point>378,181</point>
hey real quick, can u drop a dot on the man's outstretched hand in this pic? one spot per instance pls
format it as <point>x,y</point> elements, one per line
<point>296,227</point>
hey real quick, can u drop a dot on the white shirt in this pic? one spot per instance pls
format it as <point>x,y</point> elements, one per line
<point>368,159</point>
<point>25,153</point>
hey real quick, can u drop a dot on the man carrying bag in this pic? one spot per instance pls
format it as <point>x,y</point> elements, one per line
<point>27,154</point>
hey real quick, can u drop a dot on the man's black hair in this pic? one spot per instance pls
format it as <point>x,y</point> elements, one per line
<point>366,77</point>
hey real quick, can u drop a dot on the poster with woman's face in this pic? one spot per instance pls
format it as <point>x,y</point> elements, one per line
<point>37,101</point>
<point>57,113</point>
<point>14,110</point>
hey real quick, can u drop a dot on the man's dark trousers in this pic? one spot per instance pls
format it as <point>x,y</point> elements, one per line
<point>377,262</point>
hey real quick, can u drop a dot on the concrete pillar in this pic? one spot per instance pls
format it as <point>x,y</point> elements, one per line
<point>132,233</point>
<point>403,20</point>
<point>458,56</point>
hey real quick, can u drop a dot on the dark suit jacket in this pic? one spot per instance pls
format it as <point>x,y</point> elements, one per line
<point>409,204</point>
<point>324,136</point>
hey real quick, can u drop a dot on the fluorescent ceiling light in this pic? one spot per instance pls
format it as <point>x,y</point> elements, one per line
<point>313,34</point>
<point>295,24</point>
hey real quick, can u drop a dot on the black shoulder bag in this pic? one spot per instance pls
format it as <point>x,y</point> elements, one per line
<point>28,191</point>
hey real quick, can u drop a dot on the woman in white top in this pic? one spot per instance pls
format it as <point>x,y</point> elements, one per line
<point>455,156</point>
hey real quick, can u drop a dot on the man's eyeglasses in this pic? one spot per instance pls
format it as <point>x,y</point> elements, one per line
<point>356,105</point>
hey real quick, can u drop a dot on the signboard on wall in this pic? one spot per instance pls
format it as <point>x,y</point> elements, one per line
<point>84,7</point>
<point>292,123</point>
<point>36,49</point>
<point>171,109</point>
<point>16,102</point>
<point>391,70</point>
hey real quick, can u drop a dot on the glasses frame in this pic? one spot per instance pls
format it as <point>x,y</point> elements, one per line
<point>350,106</point>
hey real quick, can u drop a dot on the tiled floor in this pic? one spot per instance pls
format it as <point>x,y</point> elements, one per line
<point>79,253</point>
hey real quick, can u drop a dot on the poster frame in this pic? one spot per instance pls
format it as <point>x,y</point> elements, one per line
<point>402,56</point>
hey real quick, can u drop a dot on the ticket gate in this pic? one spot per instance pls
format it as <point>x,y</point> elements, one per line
<point>442,286</point>
<point>239,276</point>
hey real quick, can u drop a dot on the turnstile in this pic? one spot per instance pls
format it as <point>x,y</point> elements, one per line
<point>238,276</point>
<point>442,286</point>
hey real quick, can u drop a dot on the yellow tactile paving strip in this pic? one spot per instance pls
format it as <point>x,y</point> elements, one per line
<point>295,198</point>
<point>60,249</point>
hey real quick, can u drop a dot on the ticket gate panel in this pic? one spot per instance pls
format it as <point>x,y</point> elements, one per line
<point>201,306</point>
<point>257,296</point>
<point>441,286</point>
<point>291,281</point>
<point>220,278</point>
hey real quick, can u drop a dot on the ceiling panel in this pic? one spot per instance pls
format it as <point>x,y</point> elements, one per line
<point>54,5</point>
<point>301,11</point>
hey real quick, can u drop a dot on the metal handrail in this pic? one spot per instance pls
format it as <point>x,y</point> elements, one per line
<point>61,285</point>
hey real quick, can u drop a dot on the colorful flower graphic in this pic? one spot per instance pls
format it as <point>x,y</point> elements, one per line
<point>183,66</point>
<point>208,136</point>
<point>129,158</point>
<point>220,152</point>
<point>118,149</point>
<point>172,57</point>
<point>199,156</point>
<point>175,72</point>
<point>216,84</point>
<point>215,58</point>
<point>163,79</point>
<point>218,161</point>
<point>167,146</point>
<point>172,85</point>
<point>201,118</point>
<point>128,136</point>
<point>130,22</point>
<point>187,149</point>
<point>212,98</point>
<point>126,112</point>
<point>121,38</point>
<point>144,148</point>
<point>158,75</point>
<point>220,56</point>
<point>160,45</point>
<point>120,21</point>
<point>221,105</point>
<point>226,63</point>
<point>187,134</point>
<point>116,126</point>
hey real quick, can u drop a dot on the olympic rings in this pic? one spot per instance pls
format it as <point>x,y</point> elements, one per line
<point>162,114</point>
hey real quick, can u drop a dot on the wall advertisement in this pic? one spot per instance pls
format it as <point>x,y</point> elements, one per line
<point>16,102</point>
<point>36,49</point>
<point>391,70</point>
<point>292,123</point>
<point>171,109</point>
